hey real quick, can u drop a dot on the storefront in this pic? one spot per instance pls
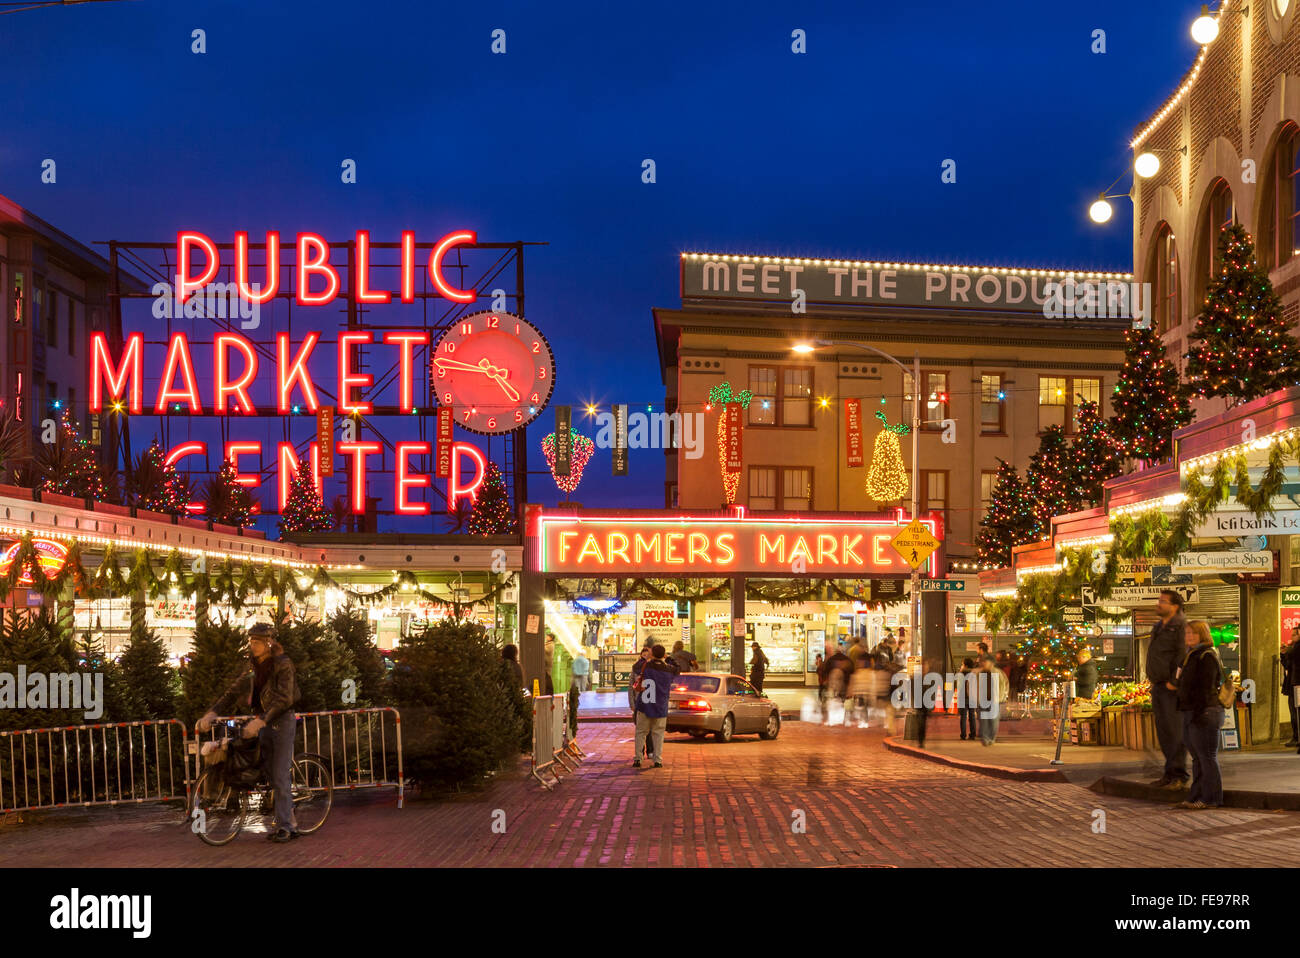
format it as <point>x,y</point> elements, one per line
<point>719,583</point>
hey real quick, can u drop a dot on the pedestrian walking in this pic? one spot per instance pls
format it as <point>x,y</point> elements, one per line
<point>581,670</point>
<point>653,687</point>
<point>838,667</point>
<point>982,653</point>
<point>857,651</point>
<point>861,691</point>
<point>1164,654</point>
<point>1288,657</point>
<point>757,668</point>
<point>993,690</point>
<point>967,700</point>
<point>684,657</point>
<point>1198,682</point>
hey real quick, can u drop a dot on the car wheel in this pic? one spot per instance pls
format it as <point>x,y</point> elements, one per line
<point>728,726</point>
<point>773,727</point>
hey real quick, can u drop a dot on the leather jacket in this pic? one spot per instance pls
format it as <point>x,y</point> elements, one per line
<point>278,695</point>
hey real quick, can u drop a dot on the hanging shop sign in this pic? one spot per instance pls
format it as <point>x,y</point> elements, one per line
<point>1149,571</point>
<point>1224,562</point>
<point>563,441</point>
<point>325,439</point>
<point>853,432</point>
<point>1230,524</point>
<point>619,456</point>
<point>1126,595</point>
<point>50,556</point>
<point>1288,612</point>
<point>735,451</point>
<point>711,545</point>
<point>656,622</point>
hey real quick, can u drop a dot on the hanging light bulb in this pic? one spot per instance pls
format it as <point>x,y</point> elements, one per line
<point>1146,165</point>
<point>1205,28</point>
<point>1100,211</point>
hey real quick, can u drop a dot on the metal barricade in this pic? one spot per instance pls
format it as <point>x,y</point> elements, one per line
<point>361,747</point>
<point>112,763</point>
<point>554,749</point>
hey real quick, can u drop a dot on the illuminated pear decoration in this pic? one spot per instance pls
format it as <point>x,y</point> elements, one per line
<point>887,479</point>
<point>719,396</point>
<point>581,448</point>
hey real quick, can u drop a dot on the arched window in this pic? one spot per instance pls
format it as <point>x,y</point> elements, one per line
<point>1162,274</point>
<point>1280,203</point>
<point>1218,214</point>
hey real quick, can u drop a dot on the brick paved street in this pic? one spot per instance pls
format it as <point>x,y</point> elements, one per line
<point>712,805</point>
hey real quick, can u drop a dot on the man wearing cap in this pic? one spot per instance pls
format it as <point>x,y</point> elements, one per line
<point>269,691</point>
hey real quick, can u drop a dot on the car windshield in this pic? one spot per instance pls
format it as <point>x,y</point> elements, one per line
<point>696,683</point>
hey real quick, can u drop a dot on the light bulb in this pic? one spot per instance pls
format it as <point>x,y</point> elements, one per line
<point>1146,165</point>
<point>1205,28</point>
<point>1100,211</point>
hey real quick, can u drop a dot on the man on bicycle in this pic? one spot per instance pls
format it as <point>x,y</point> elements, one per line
<point>269,691</point>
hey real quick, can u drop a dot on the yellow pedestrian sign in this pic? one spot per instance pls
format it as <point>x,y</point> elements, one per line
<point>915,543</point>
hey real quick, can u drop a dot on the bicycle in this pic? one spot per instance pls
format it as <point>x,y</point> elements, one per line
<point>223,809</point>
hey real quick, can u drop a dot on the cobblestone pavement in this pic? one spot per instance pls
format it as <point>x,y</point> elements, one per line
<point>714,804</point>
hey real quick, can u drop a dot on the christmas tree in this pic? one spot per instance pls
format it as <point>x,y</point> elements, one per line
<point>69,467</point>
<point>1241,348</point>
<point>1094,457</point>
<point>151,683</point>
<point>492,515</point>
<point>1052,655</point>
<point>1048,481</point>
<point>157,486</point>
<point>304,512</point>
<point>1009,521</point>
<point>229,502</point>
<point>887,478</point>
<point>1149,402</point>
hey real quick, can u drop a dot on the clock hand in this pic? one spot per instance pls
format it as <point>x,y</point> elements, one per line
<point>508,389</point>
<point>457,364</point>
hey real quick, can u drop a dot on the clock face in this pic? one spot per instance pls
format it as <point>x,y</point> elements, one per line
<point>495,371</point>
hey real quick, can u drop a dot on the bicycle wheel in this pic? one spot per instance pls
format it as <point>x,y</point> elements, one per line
<point>313,792</point>
<point>217,818</point>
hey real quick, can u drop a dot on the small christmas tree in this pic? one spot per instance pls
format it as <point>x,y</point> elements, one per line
<point>887,478</point>
<point>1241,347</point>
<point>1094,457</point>
<point>1149,402</point>
<point>304,512</point>
<point>1048,481</point>
<point>151,682</point>
<point>157,486</point>
<point>69,467</point>
<point>492,515</point>
<point>219,655</point>
<point>1009,521</point>
<point>1051,655</point>
<point>229,502</point>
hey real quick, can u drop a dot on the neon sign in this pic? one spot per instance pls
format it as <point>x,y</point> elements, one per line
<point>712,545</point>
<point>50,556</point>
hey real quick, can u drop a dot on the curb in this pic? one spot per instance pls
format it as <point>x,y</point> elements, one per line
<point>993,771</point>
<point>1232,798</point>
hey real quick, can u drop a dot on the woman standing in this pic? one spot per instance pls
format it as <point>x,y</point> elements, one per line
<point>1198,682</point>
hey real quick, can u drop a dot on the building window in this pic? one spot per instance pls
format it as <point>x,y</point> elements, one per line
<point>777,488</point>
<point>1059,398</point>
<point>1163,270</point>
<point>934,401</point>
<point>762,408</point>
<point>96,436</point>
<point>18,299</point>
<point>988,482</point>
<point>934,492</point>
<point>52,320</point>
<point>1279,206</point>
<point>992,394</point>
<point>781,396</point>
<point>1219,212</point>
<point>72,326</point>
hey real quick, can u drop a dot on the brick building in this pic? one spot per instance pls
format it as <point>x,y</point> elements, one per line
<point>1228,141</point>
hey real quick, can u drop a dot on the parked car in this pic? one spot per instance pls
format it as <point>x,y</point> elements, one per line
<point>701,703</point>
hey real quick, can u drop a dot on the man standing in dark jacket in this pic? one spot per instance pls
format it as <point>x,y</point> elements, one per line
<point>269,691</point>
<point>652,707</point>
<point>1288,681</point>
<point>1085,676</point>
<point>1164,656</point>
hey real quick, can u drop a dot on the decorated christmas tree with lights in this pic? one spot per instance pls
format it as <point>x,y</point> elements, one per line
<point>1241,347</point>
<point>887,478</point>
<point>156,485</point>
<point>69,467</point>
<point>1051,655</point>
<point>1148,401</point>
<point>305,511</point>
<point>1009,521</point>
<point>1094,457</point>
<point>492,514</point>
<point>229,502</point>
<point>1049,481</point>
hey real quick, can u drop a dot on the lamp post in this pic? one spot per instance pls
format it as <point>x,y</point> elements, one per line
<point>805,348</point>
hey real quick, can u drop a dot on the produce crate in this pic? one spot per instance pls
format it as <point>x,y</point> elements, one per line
<point>1112,731</point>
<point>1086,730</point>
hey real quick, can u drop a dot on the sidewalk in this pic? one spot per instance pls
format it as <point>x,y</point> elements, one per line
<point>1262,778</point>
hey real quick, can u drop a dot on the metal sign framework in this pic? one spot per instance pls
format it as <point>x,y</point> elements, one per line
<point>494,270</point>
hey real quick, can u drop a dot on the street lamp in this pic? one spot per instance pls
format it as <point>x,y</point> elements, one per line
<point>915,371</point>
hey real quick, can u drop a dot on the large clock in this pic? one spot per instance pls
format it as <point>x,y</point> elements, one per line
<point>494,370</point>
